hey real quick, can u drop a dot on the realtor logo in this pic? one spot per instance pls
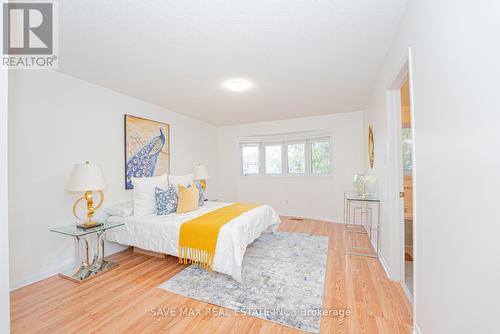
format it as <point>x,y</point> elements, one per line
<point>29,35</point>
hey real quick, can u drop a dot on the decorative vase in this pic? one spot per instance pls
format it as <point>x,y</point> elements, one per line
<point>359,184</point>
<point>371,185</point>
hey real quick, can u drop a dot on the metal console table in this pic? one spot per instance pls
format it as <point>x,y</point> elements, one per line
<point>93,263</point>
<point>363,205</point>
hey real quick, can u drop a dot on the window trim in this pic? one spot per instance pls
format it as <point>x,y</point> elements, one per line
<point>308,141</point>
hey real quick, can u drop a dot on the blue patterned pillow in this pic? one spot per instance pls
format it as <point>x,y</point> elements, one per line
<point>201,199</point>
<point>166,200</point>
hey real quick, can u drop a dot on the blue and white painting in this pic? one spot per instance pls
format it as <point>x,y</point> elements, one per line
<point>147,150</point>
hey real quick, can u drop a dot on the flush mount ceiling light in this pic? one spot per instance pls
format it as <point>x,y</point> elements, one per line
<point>238,85</point>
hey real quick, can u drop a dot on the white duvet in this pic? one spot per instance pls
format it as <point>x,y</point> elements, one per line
<point>161,234</point>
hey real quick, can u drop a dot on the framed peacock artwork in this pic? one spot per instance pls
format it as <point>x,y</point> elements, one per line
<point>147,148</point>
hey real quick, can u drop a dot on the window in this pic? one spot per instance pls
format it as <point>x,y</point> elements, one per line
<point>293,154</point>
<point>273,159</point>
<point>296,158</point>
<point>320,157</point>
<point>250,159</point>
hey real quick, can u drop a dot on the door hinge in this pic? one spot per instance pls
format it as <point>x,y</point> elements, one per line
<point>401,194</point>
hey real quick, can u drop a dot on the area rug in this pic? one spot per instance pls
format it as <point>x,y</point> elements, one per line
<point>283,281</point>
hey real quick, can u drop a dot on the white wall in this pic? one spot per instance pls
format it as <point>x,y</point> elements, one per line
<point>456,78</point>
<point>4,226</point>
<point>56,121</point>
<point>312,197</point>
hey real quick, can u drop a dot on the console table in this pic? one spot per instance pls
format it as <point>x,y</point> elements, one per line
<point>361,206</point>
<point>93,263</point>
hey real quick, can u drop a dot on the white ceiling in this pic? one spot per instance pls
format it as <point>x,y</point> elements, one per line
<point>306,57</point>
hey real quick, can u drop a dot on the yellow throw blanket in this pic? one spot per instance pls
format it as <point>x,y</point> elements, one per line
<point>198,237</point>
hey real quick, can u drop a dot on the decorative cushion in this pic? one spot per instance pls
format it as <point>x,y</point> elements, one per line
<point>166,200</point>
<point>144,193</point>
<point>188,199</point>
<point>201,200</point>
<point>180,180</point>
<point>123,209</point>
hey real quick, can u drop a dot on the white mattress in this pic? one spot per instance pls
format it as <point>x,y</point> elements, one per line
<point>161,234</point>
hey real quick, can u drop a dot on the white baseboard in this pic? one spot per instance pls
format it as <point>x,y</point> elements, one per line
<point>68,265</point>
<point>384,265</point>
<point>416,330</point>
<point>407,292</point>
<point>38,277</point>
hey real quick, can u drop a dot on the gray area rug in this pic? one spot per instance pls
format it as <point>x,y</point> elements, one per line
<point>283,281</point>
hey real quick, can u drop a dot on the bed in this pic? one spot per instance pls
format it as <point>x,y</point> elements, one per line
<point>160,234</point>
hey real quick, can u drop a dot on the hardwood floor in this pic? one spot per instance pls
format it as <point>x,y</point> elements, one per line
<point>127,299</point>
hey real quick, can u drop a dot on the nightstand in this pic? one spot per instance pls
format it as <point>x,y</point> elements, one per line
<point>93,264</point>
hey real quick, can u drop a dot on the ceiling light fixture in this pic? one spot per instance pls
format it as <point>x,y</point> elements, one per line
<point>238,85</point>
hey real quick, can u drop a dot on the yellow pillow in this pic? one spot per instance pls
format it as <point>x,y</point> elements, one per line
<point>188,199</point>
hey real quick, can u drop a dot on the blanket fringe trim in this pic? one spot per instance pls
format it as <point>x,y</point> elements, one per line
<point>200,257</point>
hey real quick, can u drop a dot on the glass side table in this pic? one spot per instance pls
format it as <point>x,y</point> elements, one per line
<point>363,205</point>
<point>93,263</point>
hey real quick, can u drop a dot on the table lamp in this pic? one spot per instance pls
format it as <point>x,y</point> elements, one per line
<point>87,178</point>
<point>201,174</point>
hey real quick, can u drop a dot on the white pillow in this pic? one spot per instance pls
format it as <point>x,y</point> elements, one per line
<point>144,193</point>
<point>183,180</point>
<point>123,209</point>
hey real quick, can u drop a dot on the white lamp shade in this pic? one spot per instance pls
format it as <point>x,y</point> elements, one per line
<point>200,172</point>
<point>86,177</point>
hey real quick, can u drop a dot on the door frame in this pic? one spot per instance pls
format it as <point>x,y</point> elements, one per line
<point>4,196</point>
<point>395,173</point>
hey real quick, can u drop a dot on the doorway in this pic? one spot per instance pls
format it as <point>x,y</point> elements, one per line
<point>401,182</point>
<point>407,182</point>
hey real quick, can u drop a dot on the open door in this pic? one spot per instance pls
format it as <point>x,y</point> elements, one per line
<point>407,186</point>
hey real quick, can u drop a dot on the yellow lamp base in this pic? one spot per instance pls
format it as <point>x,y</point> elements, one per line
<point>89,222</point>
